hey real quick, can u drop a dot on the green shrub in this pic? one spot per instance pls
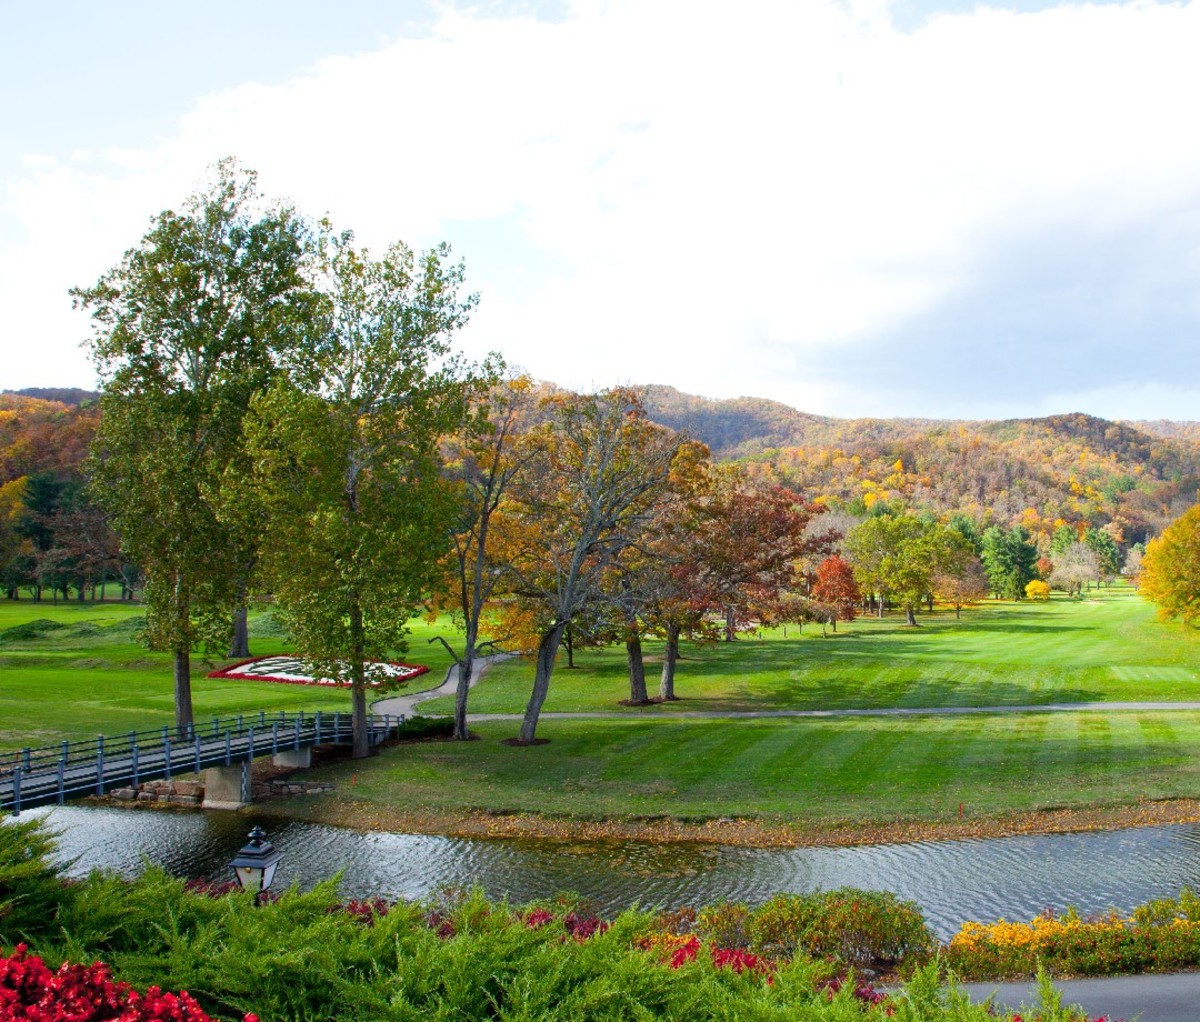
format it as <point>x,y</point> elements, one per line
<point>857,928</point>
<point>425,727</point>
<point>31,887</point>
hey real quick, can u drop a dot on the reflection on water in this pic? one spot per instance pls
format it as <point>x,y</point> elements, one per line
<point>951,880</point>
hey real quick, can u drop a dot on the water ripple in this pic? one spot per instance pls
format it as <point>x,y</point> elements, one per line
<point>952,881</point>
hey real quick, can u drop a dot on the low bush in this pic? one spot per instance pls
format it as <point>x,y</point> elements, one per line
<point>859,929</point>
<point>425,727</point>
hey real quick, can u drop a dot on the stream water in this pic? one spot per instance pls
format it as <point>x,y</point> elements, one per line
<point>951,880</point>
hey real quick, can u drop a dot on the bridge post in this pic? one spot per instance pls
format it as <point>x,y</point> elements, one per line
<point>228,787</point>
<point>100,765</point>
<point>62,780</point>
<point>16,807</point>
<point>167,757</point>
<point>133,762</point>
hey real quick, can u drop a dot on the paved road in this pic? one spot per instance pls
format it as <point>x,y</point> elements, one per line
<point>1170,998</point>
<point>405,704</point>
<point>895,711</point>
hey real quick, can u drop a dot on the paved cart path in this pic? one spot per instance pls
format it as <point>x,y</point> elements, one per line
<point>1169,998</point>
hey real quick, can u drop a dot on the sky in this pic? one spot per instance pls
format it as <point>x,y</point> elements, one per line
<point>864,207</point>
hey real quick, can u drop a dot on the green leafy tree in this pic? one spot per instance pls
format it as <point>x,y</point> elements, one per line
<point>1009,558</point>
<point>1108,554</point>
<point>186,328</point>
<point>895,556</point>
<point>345,463</point>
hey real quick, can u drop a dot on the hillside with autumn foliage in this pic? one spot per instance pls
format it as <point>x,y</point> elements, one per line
<point>1075,469</point>
<point>1131,479</point>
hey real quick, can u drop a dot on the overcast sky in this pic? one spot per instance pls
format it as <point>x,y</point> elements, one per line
<point>859,208</point>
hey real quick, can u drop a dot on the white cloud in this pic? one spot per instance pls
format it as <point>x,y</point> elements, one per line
<point>722,202</point>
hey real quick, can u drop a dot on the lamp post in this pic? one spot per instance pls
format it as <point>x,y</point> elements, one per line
<point>254,865</point>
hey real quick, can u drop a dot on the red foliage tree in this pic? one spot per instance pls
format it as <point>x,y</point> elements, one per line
<point>835,585</point>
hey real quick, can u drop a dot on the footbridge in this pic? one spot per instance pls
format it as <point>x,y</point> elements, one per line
<point>222,749</point>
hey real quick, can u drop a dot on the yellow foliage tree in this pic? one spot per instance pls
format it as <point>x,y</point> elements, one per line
<point>1171,569</point>
<point>1037,590</point>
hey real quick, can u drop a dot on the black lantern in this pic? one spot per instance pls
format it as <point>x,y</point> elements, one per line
<point>255,863</point>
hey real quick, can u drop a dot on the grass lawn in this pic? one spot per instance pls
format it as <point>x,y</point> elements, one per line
<point>805,771</point>
<point>91,676</point>
<point>1106,647</point>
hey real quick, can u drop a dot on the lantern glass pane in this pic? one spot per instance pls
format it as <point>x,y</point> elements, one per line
<point>250,877</point>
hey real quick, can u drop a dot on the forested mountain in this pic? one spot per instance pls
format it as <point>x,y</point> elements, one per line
<point>1043,472</point>
<point>1133,478</point>
<point>63,395</point>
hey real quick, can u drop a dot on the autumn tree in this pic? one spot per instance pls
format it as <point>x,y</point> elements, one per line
<point>1170,575</point>
<point>835,586</point>
<point>963,586</point>
<point>345,459</point>
<point>482,459</point>
<point>1074,566</point>
<point>186,329</point>
<point>597,468</point>
<point>752,536</point>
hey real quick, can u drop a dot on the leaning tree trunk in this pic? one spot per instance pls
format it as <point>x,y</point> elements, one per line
<point>361,744</point>
<point>547,650</point>
<point>183,689</point>
<point>910,618</point>
<point>666,685</point>
<point>239,646</point>
<point>638,696</point>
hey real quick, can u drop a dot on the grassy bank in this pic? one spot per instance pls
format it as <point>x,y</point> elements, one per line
<point>1106,647</point>
<point>90,675</point>
<point>821,778</point>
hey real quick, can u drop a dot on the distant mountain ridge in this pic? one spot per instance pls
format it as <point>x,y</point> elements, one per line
<point>733,427</point>
<point>1134,477</point>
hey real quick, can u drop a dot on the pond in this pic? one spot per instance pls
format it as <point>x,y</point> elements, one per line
<point>952,881</point>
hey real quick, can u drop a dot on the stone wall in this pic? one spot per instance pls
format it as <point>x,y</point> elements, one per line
<point>191,793</point>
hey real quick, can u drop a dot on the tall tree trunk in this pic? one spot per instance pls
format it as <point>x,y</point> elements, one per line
<point>910,618</point>
<point>569,641</point>
<point>361,745</point>
<point>462,687</point>
<point>666,685</point>
<point>638,695</point>
<point>880,603</point>
<point>240,644</point>
<point>730,625</point>
<point>183,688</point>
<point>547,650</point>
<point>958,612</point>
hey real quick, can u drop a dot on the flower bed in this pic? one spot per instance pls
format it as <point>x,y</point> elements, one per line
<point>288,670</point>
<point>85,993</point>
<point>1160,936</point>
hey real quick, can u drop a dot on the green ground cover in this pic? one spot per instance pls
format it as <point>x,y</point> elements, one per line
<point>798,770</point>
<point>1106,647</point>
<point>91,676</point>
